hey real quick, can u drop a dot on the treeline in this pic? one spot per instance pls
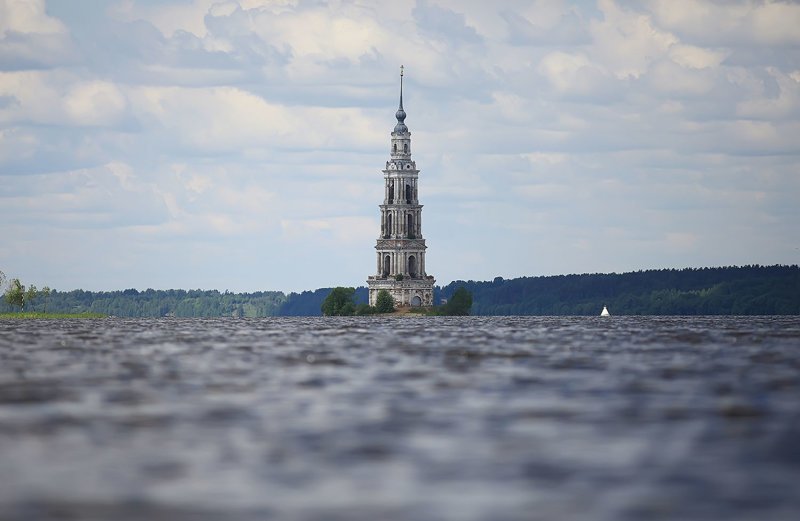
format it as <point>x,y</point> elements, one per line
<point>746,290</point>
<point>309,303</point>
<point>159,303</point>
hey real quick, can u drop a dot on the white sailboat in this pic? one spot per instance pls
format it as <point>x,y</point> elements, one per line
<point>605,312</point>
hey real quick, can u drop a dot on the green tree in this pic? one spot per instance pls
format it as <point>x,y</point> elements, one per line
<point>384,302</point>
<point>339,302</point>
<point>365,309</point>
<point>45,292</point>
<point>460,303</point>
<point>15,294</point>
<point>31,294</point>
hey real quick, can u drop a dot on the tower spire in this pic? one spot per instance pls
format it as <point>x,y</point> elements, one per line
<point>401,87</point>
<point>401,114</point>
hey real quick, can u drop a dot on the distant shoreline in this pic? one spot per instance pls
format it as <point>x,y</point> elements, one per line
<point>732,290</point>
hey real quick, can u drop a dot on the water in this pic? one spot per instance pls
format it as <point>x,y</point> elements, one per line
<point>498,419</point>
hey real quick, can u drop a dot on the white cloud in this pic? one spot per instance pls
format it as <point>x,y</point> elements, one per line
<point>106,196</point>
<point>786,105</point>
<point>543,23</point>
<point>30,39</point>
<point>626,42</point>
<point>34,98</point>
<point>733,23</point>
<point>672,79</point>
<point>27,16</point>
<point>695,57</point>
<point>167,17</point>
<point>220,119</point>
<point>95,103</point>
<point>254,131</point>
<point>575,74</point>
<point>16,142</point>
<point>59,98</point>
<point>332,231</point>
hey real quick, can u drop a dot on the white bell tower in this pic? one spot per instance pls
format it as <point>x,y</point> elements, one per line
<point>401,247</point>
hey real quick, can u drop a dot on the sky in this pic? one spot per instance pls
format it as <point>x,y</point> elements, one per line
<point>238,145</point>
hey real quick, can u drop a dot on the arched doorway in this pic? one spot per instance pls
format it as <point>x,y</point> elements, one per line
<point>416,301</point>
<point>412,266</point>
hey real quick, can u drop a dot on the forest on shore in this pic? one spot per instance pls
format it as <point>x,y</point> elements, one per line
<point>745,290</point>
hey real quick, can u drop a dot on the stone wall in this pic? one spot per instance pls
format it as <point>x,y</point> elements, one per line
<point>403,291</point>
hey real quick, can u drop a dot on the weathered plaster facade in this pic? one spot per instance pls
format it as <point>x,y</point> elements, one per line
<point>401,248</point>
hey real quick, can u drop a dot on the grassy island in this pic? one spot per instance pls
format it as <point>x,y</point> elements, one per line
<point>340,302</point>
<point>37,314</point>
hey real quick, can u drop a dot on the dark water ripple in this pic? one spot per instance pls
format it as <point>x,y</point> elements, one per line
<point>497,419</point>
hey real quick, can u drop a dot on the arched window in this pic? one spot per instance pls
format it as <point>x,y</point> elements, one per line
<point>408,194</point>
<point>387,262</point>
<point>388,226</point>
<point>394,148</point>
<point>412,266</point>
<point>410,226</point>
<point>391,193</point>
<point>405,148</point>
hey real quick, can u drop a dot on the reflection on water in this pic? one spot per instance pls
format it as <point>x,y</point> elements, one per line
<point>510,418</point>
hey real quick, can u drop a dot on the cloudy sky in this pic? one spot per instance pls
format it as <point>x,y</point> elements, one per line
<point>238,144</point>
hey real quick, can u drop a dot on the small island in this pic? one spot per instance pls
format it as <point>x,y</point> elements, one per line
<point>341,302</point>
<point>40,314</point>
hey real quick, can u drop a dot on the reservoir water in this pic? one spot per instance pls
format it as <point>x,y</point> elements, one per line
<point>513,418</point>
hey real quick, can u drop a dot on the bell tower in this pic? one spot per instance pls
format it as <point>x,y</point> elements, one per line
<point>401,247</point>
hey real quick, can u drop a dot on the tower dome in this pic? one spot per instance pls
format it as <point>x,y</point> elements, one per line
<point>401,114</point>
<point>401,118</point>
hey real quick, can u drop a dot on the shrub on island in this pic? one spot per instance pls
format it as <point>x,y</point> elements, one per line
<point>339,302</point>
<point>384,303</point>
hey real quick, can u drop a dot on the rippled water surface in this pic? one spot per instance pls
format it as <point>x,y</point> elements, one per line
<point>400,418</point>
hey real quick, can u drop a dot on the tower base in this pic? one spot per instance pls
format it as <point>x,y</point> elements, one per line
<point>406,292</point>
